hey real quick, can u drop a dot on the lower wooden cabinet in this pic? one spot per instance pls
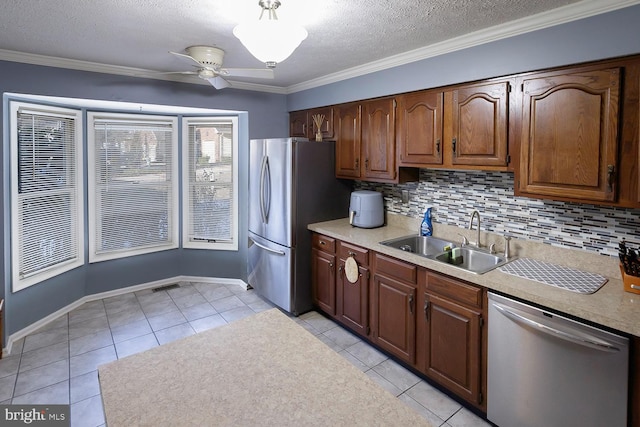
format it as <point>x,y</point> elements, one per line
<point>323,273</point>
<point>393,307</point>
<point>352,298</point>
<point>452,348</point>
<point>429,321</point>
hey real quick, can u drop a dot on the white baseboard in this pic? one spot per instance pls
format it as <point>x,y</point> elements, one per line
<point>53,316</point>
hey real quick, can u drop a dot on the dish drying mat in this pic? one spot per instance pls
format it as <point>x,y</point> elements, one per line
<point>555,275</point>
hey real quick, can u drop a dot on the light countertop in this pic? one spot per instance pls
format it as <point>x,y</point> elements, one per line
<point>610,306</point>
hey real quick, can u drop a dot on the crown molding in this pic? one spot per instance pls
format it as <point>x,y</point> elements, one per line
<point>96,67</point>
<point>561,15</point>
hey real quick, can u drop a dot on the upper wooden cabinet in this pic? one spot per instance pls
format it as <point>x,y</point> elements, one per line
<point>379,143</point>
<point>569,139</point>
<point>463,128</point>
<point>298,126</point>
<point>301,123</point>
<point>419,130</point>
<point>348,140</point>
<point>479,124</point>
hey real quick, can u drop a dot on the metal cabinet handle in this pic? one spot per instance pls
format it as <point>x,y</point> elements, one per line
<point>610,171</point>
<point>453,144</point>
<point>635,287</point>
<point>426,310</point>
<point>438,146</point>
<point>366,164</point>
<point>411,304</point>
<point>322,242</point>
<point>357,163</point>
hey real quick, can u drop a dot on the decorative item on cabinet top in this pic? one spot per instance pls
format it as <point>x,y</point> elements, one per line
<point>317,120</point>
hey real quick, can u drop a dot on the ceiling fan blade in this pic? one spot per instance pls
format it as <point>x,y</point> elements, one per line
<point>218,82</point>
<point>261,73</point>
<point>178,72</point>
<point>201,65</point>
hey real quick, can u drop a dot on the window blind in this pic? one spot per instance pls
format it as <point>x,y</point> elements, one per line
<point>210,178</point>
<point>46,202</point>
<point>133,199</point>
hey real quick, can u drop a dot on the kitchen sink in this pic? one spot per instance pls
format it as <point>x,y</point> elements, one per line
<point>474,260</point>
<point>426,246</point>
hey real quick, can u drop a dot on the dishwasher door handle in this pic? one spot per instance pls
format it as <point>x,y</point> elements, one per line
<point>584,341</point>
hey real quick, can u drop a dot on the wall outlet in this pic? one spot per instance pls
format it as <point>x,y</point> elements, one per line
<point>405,196</point>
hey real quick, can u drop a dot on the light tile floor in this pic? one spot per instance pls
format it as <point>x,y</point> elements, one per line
<point>58,363</point>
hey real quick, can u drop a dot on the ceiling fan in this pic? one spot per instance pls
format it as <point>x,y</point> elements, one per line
<point>210,59</point>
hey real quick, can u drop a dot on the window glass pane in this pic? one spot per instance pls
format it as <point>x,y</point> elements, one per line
<point>46,197</point>
<point>211,198</point>
<point>133,184</point>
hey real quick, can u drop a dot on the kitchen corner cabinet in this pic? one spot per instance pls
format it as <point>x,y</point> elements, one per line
<point>298,124</point>
<point>301,123</point>
<point>569,137</point>
<point>450,337</point>
<point>393,307</point>
<point>352,299</point>
<point>323,273</point>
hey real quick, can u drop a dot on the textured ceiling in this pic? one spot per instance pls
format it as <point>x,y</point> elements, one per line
<point>343,34</point>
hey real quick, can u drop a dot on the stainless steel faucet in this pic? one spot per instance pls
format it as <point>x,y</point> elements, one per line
<point>475,213</point>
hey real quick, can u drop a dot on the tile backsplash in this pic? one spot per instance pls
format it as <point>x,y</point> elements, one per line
<point>455,194</point>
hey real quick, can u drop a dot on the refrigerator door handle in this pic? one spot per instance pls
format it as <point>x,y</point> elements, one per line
<point>264,172</point>
<point>583,341</point>
<point>261,246</point>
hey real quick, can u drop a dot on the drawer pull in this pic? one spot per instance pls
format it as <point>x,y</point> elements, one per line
<point>426,310</point>
<point>411,304</point>
<point>637,287</point>
<point>322,242</point>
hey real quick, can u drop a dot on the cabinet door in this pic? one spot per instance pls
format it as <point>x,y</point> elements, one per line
<point>323,280</point>
<point>327,124</point>
<point>378,138</point>
<point>479,121</point>
<point>569,138</point>
<point>419,133</point>
<point>353,300</point>
<point>348,141</point>
<point>453,346</point>
<point>393,317</point>
<point>298,124</point>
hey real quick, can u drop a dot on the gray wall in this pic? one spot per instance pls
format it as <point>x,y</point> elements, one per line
<point>265,116</point>
<point>604,36</point>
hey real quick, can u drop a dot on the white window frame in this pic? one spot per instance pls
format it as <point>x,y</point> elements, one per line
<point>77,230</point>
<point>174,209</point>
<point>187,239</point>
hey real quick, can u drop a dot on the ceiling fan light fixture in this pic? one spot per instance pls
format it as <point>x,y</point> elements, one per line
<point>271,41</point>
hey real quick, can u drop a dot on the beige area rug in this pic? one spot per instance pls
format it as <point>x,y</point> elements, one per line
<point>263,370</point>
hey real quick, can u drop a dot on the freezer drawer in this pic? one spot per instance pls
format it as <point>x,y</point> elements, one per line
<point>270,271</point>
<point>547,370</point>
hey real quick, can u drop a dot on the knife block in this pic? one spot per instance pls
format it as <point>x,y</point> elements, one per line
<point>631,283</point>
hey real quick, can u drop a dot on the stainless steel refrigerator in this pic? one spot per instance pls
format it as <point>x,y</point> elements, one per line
<point>292,183</point>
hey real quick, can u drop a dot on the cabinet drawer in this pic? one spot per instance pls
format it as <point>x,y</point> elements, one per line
<point>395,268</point>
<point>454,289</point>
<point>360,254</point>
<point>324,243</point>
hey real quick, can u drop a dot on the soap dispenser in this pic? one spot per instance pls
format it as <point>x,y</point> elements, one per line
<point>426,228</point>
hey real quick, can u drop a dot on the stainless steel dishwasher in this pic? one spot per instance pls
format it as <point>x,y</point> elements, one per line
<point>546,370</point>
